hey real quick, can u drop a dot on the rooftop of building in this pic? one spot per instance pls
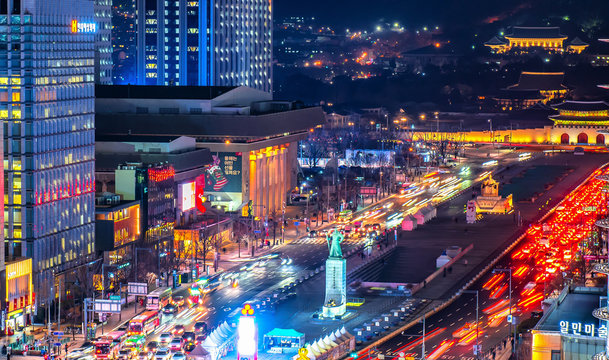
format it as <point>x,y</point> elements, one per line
<point>181,162</point>
<point>574,305</point>
<point>107,202</point>
<point>549,32</point>
<point>582,106</point>
<point>540,81</point>
<point>211,127</point>
<point>578,42</point>
<point>160,92</point>
<point>495,41</point>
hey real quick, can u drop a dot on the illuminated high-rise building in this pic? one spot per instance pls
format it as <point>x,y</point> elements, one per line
<point>47,73</point>
<point>103,47</point>
<point>195,42</point>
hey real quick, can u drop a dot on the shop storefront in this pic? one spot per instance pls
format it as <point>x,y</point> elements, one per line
<point>19,296</point>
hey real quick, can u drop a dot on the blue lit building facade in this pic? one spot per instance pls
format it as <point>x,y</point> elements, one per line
<point>194,42</point>
<point>47,105</point>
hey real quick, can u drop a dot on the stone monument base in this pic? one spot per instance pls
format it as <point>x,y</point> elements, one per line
<point>333,311</point>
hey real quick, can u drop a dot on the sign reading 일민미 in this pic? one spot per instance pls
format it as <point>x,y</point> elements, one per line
<point>140,289</point>
<point>577,328</point>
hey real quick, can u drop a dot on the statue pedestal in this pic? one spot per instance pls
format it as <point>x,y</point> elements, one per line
<point>336,287</point>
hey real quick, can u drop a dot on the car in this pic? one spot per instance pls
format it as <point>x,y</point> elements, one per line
<point>170,309</point>
<point>178,300</point>
<point>176,344</point>
<point>125,354</point>
<point>152,346</point>
<point>188,336</point>
<point>201,327</point>
<point>144,355</point>
<point>199,339</point>
<point>178,330</point>
<point>189,346</point>
<point>178,356</point>
<point>165,338</point>
<point>162,354</point>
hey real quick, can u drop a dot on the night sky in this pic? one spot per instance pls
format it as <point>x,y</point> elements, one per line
<point>451,14</point>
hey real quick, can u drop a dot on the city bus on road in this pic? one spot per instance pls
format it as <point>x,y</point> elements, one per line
<point>108,345</point>
<point>135,342</point>
<point>144,323</point>
<point>158,299</point>
<point>106,349</point>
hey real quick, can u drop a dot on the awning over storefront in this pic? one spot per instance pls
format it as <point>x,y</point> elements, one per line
<point>283,339</point>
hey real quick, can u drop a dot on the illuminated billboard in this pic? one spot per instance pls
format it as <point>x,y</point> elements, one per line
<point>224,174</point>
<point>188,195</point>
<point>369,158</point>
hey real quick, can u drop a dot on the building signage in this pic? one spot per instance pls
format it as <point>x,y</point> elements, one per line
<point>83,27</point>
<point>200,193</point>
<point>224,174</point>
<point>577,328</point>
<point>188,196</point>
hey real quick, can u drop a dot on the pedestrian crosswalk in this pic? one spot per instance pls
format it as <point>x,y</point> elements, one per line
<point>322,241</point>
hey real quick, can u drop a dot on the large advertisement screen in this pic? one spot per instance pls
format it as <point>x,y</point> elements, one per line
<point>188,195</point>
<point>224,174</point>
<point>370,158</point>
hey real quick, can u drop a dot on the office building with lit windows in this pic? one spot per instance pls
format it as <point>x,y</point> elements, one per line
<point>103,45</point>
<point>195,42</point>
<point>47,72</point>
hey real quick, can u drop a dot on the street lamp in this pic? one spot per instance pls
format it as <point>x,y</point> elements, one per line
<point>477,318</point>
<point>490,122</point>
<point>423,344</point>
<point>509,270</point>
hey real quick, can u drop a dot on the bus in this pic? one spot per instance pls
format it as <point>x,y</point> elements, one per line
<point>108,345</point>
<point>345,215</point>
<point>135,342</point>
<point>144,324</point>
<point>158,299</point>
<point>106,349</point>
<point>194,294</point>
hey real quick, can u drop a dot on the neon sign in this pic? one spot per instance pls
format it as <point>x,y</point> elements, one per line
<point>83,27</point>
<point>200,198</point>
<point>577,328</point>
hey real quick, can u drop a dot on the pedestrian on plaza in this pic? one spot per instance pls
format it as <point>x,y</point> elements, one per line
<point>66,346</point>
<point>8,354</point>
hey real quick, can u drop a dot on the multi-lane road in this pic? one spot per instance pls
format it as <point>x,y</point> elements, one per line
<point>541,260</point>
<point>276,273</point>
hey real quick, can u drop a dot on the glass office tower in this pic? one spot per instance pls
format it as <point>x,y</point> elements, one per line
<point>193,42</point>
<point>47,72</point>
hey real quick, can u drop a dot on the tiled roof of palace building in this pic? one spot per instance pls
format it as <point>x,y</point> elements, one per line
<point>520,32</point>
